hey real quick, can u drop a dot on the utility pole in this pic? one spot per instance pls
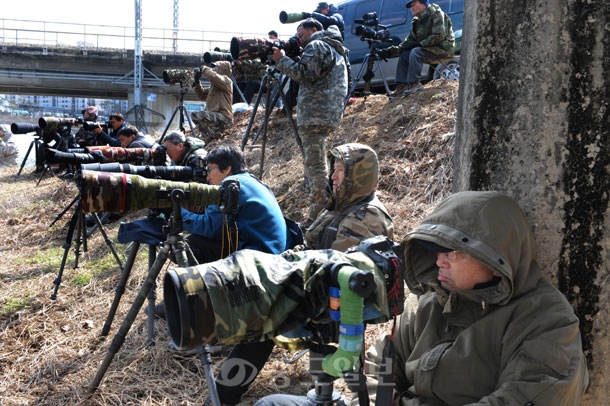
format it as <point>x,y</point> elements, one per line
<point>137,70</point>
<point>175,38</point>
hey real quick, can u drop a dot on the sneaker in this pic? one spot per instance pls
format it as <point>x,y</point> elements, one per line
<point>400,87</point>
<point>412,88</point>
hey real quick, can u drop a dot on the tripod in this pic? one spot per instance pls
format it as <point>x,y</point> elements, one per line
<point>174,243</point>
<point>183,113</point>
<point>41,165</point>
<point>366,73</point>
<point>77,223</point>
<point>271,96</point>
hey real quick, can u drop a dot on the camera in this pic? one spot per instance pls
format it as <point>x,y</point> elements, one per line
<point>109,192</point>
<point>252,48</point>
<point>370,29</point>
<point>211,57</point>
<point>288,18</point>
<point>24,128</point>
<point>106,154</point>
<point>175,173</point>
<point>54,123</point>
<point>184,77</point>
<point>92,125</point>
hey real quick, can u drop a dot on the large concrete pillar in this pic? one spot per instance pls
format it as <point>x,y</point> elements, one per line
<point>534,122</point>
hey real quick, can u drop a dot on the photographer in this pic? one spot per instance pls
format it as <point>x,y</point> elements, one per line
<point>218,114</point>
<point>352,215</point>
<point>185,151</point>
<point>322,76</point>
<point>130,137</point>
<point>431,38</point>
<point>260,222</point>
<point>88,138</point>
<point>488,328</point>
<point>117,122</point>
<point>327,14</point>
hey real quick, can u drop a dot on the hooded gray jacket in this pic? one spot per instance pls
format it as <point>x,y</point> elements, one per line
<point>514,343</point>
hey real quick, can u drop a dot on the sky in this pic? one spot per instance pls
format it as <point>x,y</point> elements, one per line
<point>231,16</point>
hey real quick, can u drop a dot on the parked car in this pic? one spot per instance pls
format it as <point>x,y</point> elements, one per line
<point>393,15</point>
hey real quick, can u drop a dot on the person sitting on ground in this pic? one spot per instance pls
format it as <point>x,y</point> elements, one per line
<point>130,137</point>
<point>218,114</point>
<point>353,214</point>
<point>117,123</point>
<point>185,151</point>
<point>260,222</point>
<point>488,329</point>
<point>431,38</point>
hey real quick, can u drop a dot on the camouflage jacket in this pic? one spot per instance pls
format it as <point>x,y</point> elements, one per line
<point>194,155</point>
<point>322,76</point>
<point>353,213</point>
<point>218,97</point>
<point>432,30</point>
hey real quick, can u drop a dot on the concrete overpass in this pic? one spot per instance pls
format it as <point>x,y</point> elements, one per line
<point>102,74</point>
<point>56,69</point>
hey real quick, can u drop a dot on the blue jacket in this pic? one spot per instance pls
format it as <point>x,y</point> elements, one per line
<point>260,222</point>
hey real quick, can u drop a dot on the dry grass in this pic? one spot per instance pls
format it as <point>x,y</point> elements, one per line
<point>51,350</point>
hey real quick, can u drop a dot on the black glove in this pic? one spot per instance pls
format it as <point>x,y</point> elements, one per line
<point>412,45</point>
<point>384,54</point>
<point>306,15</point>
<point>196,76</point>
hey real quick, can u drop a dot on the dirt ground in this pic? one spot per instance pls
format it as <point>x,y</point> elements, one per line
<point>51,350</point>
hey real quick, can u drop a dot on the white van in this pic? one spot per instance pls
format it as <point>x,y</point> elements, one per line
<point>397,18</point>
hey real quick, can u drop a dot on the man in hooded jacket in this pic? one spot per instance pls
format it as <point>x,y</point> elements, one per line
<point>322,76</point>
<point>508,338</point>
<point>218,114</point>
<point>488,328</point>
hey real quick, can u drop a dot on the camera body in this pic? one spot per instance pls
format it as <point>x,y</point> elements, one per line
<point>370,29</point>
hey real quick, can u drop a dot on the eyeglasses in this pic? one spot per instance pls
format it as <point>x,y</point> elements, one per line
<point>450,256</point>
<point>210,168</point>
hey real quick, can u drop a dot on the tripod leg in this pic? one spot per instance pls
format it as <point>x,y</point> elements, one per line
<point>385,82</point>
<point>152,296</point>
<point>356,80</point>
<point>120,288</point>
<point>25,158</point>
<point>292,124</point>
<point>106,239</point>
<point>268,110</point>
<point>119,337</point>
<point>66,246</point>
<point>244,139</point>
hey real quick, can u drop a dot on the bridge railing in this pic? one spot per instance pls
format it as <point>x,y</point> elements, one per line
<point>51,35</point>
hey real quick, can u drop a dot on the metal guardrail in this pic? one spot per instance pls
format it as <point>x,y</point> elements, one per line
<point>51,35</point>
